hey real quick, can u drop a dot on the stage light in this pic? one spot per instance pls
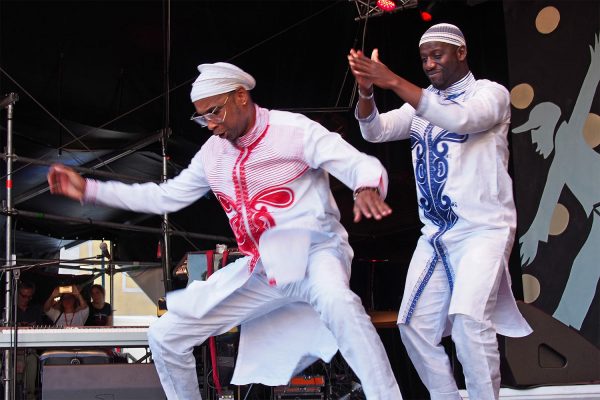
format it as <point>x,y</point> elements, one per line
<point>426,16</point>
<point>386,5</point>
<point>425,7</point>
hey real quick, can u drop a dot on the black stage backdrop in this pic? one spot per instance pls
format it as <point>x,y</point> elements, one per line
<point>554,68</point>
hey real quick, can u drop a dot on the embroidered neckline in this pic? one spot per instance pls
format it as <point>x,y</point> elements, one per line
<point>260,124</point>
<point>456,89</point>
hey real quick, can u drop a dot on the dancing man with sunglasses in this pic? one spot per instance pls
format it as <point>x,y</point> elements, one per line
<point>270,172</point>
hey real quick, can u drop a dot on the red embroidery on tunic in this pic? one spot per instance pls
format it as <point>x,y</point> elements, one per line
<point>250,214</point>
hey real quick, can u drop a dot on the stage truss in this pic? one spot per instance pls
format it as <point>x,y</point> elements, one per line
<point>368,9</point>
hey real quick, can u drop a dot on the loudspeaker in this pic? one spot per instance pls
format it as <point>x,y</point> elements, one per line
<point>553,354</point>
<point>101,382</point>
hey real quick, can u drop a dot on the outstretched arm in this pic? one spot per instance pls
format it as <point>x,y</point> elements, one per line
<point>362,173</point>
<point>539,229</point>
<point>588,90</point>
<point>149,197</point>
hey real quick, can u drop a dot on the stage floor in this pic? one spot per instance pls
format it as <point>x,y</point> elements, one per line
<point>582,392</point>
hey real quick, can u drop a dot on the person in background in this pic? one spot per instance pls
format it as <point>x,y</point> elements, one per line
<point>28,313</point>
<point>458,281</point>
<point>100,313</point>
<point>66,309</point>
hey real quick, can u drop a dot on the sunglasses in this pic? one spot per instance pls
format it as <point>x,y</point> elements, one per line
<point>212,116</point>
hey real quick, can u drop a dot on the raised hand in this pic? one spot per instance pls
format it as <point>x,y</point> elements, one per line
<point>370,71</point>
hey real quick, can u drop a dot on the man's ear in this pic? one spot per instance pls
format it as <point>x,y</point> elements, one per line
<point>241,96</point>
<point>461,53</point>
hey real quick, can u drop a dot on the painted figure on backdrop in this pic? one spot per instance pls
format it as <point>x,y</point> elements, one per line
<point>573,163</point>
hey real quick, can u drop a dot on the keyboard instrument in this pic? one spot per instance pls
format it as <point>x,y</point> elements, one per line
<point>117,336</point>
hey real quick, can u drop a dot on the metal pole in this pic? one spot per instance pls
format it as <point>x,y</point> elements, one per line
<point>166,250</point>
<point>102,269</point>
<point>111,268</point>
<point>114,225</point>
<point>9,367</point>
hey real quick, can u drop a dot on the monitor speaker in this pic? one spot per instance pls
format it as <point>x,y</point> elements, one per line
<point>553,354</point>
<point>101,381</point>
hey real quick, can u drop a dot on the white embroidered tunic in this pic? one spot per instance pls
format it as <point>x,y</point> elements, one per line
<point>274,175</point>
<point>460,156</point>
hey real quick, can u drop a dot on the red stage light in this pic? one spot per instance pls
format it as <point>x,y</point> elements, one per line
<point>386,5</point>
<point>425,16</point>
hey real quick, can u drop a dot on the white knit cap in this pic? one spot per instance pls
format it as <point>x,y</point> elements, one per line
<point>446,33</point>
<point>219,78</point>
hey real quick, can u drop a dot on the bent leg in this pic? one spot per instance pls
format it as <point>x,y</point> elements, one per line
<point>326,288</point>
<point>422,338</point>
<point>172,337</point>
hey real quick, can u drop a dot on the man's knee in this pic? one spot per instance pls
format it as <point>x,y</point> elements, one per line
<point>157,330</point>
<point>331,299</point>
<point>405,331</point>
<point>465,326</point>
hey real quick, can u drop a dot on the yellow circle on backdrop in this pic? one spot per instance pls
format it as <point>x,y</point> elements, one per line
<point>591,130</point>
<point>521,96</point>
<point>560,220</point>
<point>547,20</point>
<point>531,288</point>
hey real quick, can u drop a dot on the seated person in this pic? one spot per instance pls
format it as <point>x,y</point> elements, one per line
<point>70,309</point>
<point>28,313</point>
<point>100,311</point>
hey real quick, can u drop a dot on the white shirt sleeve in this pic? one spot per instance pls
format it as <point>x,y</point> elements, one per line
<point>386,127</point>
<point>487,107</point>
<point>329,151</point>
<point>172,195</point>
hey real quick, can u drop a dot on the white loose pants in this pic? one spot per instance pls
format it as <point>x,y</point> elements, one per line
<point>475,341</point>
<point>325,287</point>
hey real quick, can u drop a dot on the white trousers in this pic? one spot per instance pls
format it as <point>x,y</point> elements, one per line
<point>475,341</point>
<point>325,287</point>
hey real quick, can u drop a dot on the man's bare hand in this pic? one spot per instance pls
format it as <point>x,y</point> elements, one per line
<point>370,205</point>
<point>66,182</point>
<point>370,71</point>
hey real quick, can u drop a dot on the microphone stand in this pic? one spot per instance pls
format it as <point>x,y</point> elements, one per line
<point>111,268</point>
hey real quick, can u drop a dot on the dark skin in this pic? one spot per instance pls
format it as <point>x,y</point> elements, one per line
<point>443,63</point>
<point>238,114</point>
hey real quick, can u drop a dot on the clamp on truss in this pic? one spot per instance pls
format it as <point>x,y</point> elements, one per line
<point>368,9</point>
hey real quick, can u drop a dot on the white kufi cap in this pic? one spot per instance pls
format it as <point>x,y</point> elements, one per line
<point>219,78</point>
<point>446,33</point>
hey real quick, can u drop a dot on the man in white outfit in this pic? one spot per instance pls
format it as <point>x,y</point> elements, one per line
<point>269,170</point>
<point>458,281</point>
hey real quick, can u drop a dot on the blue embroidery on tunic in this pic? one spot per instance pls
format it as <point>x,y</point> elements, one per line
<point>431,173</point>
